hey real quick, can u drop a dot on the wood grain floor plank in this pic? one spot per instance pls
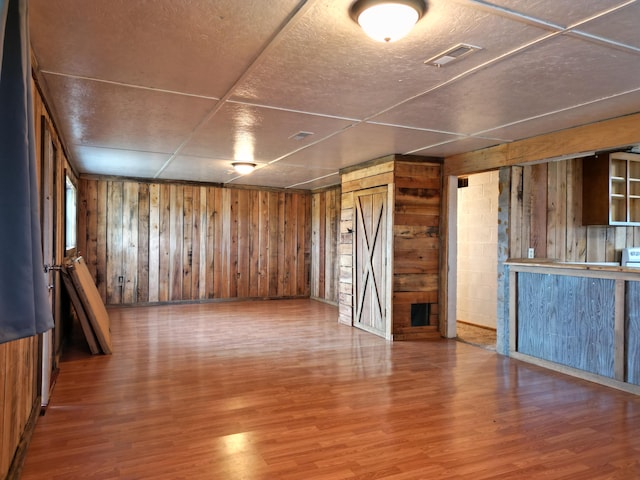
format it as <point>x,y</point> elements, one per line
<point>280,390</point>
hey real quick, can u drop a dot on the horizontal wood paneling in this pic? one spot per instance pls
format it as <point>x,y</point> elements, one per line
<point>416,238</point>
<point>417,191</point>
<point>604,135</point>
<point>546,214</point>
<point>174,242</point>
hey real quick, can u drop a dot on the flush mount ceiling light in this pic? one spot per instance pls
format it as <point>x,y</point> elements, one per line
<point>387,20</point>
<point>243,168</point>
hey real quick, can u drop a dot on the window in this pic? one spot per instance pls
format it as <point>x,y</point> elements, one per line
<point>70,215</point>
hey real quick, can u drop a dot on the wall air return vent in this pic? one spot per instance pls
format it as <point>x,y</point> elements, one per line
<point>453,54</point>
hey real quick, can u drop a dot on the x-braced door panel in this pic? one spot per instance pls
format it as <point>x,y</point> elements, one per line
<point>370,269</point>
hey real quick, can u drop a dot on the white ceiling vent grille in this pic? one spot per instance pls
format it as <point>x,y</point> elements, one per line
<point>300,135</point>
<point>453,54</point>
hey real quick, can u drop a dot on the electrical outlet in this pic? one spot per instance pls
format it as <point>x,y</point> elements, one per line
<point>531,253</point>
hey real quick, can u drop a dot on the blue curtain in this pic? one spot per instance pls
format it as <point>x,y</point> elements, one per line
<point>24,306</point>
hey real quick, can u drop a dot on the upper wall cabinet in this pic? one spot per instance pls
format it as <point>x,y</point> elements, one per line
<point>611,189</point>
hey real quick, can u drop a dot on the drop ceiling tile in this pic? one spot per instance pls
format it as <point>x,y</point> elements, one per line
<point>362,143</point>
<point>562,13</point>
<point>199,169</point>
<point>463,145</point>
<point>620,26</point>
<point>196,46</point>
<point>110,161</point>
<point>108,115</point>
<point>246,132</point>
<point>601,110</point>
<point>326,64</point>
<point>555,74</point>
<point>287,176</point>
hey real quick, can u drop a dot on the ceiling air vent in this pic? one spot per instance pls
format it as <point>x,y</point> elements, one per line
<point>300,135</point>
<point>452,55</point>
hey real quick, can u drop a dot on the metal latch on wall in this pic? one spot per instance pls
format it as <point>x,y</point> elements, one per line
<point>56,268</point>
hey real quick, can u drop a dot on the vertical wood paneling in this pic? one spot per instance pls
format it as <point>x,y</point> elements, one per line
<point>213,242</point>
<point>576,232</point>
<point>101,240</point>
<point>19,360</point>
<point>516,214</point>
<point>549,217</point>
<point>282,271</point>
<point>301,254</point>
<point>204,250</point>
<point>165,243</point>
<point>176,241</point>
<point>274,245</point>
<point>142,281</point>
<point>264,245</point>
<point>173,242</point>
<point>154,242</point>
<point>556,324</point>
<point>130,227</point>
<point>253,241</point>
<point>234,233</point>
<point>187,243</point>
<point>633,332</point>
<point>115,276</point>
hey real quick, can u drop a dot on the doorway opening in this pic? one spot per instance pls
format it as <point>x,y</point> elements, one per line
<point>477,259</point>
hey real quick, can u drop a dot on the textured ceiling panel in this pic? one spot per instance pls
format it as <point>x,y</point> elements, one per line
<point>245,132</point>
<point>620,26</point>
<point>107,115</point>
<point>534,82</point>
<point>286,176</point>
<point>362,143</point>
<point>326,64</point>
<point>157,76</point>
<point>602,110</point>
<point>462,145</point>
<point>194,46</point>
<point>199,169</point>
<point>109,161</point>
<point>562,13</point>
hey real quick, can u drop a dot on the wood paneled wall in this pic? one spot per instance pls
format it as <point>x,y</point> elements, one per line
<point>162,242</point>
<point>18,395</point>
<point>20,362</point>
<point>417,191</point>
<point>325,221</point>
<point>546,214</point>
<point>416,237</point>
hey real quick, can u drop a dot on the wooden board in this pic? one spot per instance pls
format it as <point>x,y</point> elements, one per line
<point>89,335</point>
<point>92,303</point>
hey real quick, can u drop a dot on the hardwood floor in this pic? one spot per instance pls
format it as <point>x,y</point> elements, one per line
<point>280,390</point>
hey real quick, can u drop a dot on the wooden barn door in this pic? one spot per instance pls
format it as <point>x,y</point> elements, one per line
<point>371,269</point>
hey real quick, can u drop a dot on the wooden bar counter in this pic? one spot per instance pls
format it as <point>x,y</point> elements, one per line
<point>578,318</point>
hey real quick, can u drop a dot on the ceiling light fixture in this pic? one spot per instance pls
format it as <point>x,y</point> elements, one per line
<point>243,168</point>
<point>387,20</point>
